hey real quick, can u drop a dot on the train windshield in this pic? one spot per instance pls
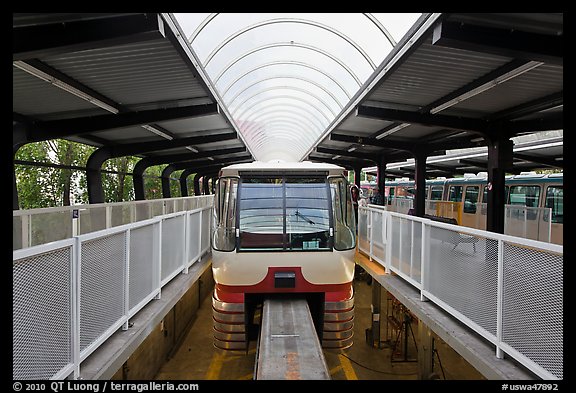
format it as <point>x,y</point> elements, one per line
<point>284,213</point>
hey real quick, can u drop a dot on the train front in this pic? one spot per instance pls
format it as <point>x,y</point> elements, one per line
<point>282,230</point>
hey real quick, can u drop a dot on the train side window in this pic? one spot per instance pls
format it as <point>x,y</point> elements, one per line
<point>455,193</point>
<point>224,214</point>
<point>343,213</point>
<point>525,195</point>
<point>436,193</point>
<point>427,192</point>
<point>391,194</point>
<point>470,199</point>
<point>555,200</point>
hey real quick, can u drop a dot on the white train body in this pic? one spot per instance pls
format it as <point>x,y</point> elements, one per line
<point>282,228</point>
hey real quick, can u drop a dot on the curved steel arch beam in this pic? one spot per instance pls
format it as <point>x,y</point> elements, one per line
<point>280,131</point>
<point>285,88</point>
<point>381,27</point>
<point>285,109</point>
<point>288,115</point>
<point>285,97</point>
<point>289,77</point>
<point>272,127</point>
<point>201,27</point>
<point>228,39</point>
<point>289,108</point>
<point>287,120</point>
<point>293,146</point>
<point>290,44</point>
<point>296,63</point>
<point>266,125</point>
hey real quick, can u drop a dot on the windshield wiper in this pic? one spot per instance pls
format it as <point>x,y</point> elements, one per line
<point>304,217</point>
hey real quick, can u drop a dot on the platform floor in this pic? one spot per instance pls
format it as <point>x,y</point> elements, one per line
<point>197,359</point>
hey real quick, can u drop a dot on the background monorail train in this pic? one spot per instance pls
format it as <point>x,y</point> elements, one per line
<point>282,228</point>
<point>530,190</point>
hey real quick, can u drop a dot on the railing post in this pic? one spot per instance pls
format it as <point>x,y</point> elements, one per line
<point>369,233</point>
<point>108,216</point>
<point>389,244</point>
<point>127,279</point>
<point>158,252</point>
<point>186,242</point>
<point>425,259</point>
<point>26,231</point>
<point>75,293</point>
<point>499,298</point>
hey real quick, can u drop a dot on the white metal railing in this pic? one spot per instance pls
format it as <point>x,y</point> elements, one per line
<point>507,289</point>
<point>32,227</point>
<point>71,295</point>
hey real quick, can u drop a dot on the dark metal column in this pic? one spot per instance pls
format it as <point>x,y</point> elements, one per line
<point>381,179</point>
<point>138,179</point>
<point>94,174</point>
<point>500,159</point>
<point>165,177</point>
<point>184,181</point>
<point>376,307</point>
<point>357,175</point>
<point>205,189</point>
<point>197,184</point>
<point>420,183</point>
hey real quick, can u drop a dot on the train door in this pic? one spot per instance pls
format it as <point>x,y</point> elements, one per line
<point>470,207</point>
<point>555,200</point>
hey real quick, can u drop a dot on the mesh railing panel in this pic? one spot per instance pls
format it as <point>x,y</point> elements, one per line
<point>93,219</point>
<point>16,232</point>
<point>416,265</point>
<point>463,273</point>
<point>205,241</point>
<point>50,227</point>
<point>143,211</point>
<point>102,285</point>
<point>406,246</point>
<point>378,246</point>
<point>42,315</point>
<point>363,242</point>
<point>142,274</point>
<point>121,215</point>
<point>395,243</point>
<point>157,208</point>
<point>194,235</point>
<point>533,305</point>
<point>172,245</point>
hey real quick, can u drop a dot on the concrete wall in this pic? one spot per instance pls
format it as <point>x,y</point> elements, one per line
<point>155,350</point>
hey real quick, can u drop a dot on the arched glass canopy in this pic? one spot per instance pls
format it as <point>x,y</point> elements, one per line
<point>285,77</point>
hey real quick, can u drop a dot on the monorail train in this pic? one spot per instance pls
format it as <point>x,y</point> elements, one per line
<point>282,228</point>
<point>527,189</point>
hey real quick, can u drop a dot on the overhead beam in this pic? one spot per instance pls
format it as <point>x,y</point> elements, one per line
<point>174,158</point>
<point>355,154</point>
<point>128,149</point>
<point>210,164</point>
<point>51,75</point>
<point>482,165</point>
<point>405,145</point>
<point>349,161</point>
<point>450,122</point>
<point>43,40</point>
<point>45,130</point>
<point>507,42</point>
<point>509,70</point>
<point>537,105</point>
<point>551,162</point>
